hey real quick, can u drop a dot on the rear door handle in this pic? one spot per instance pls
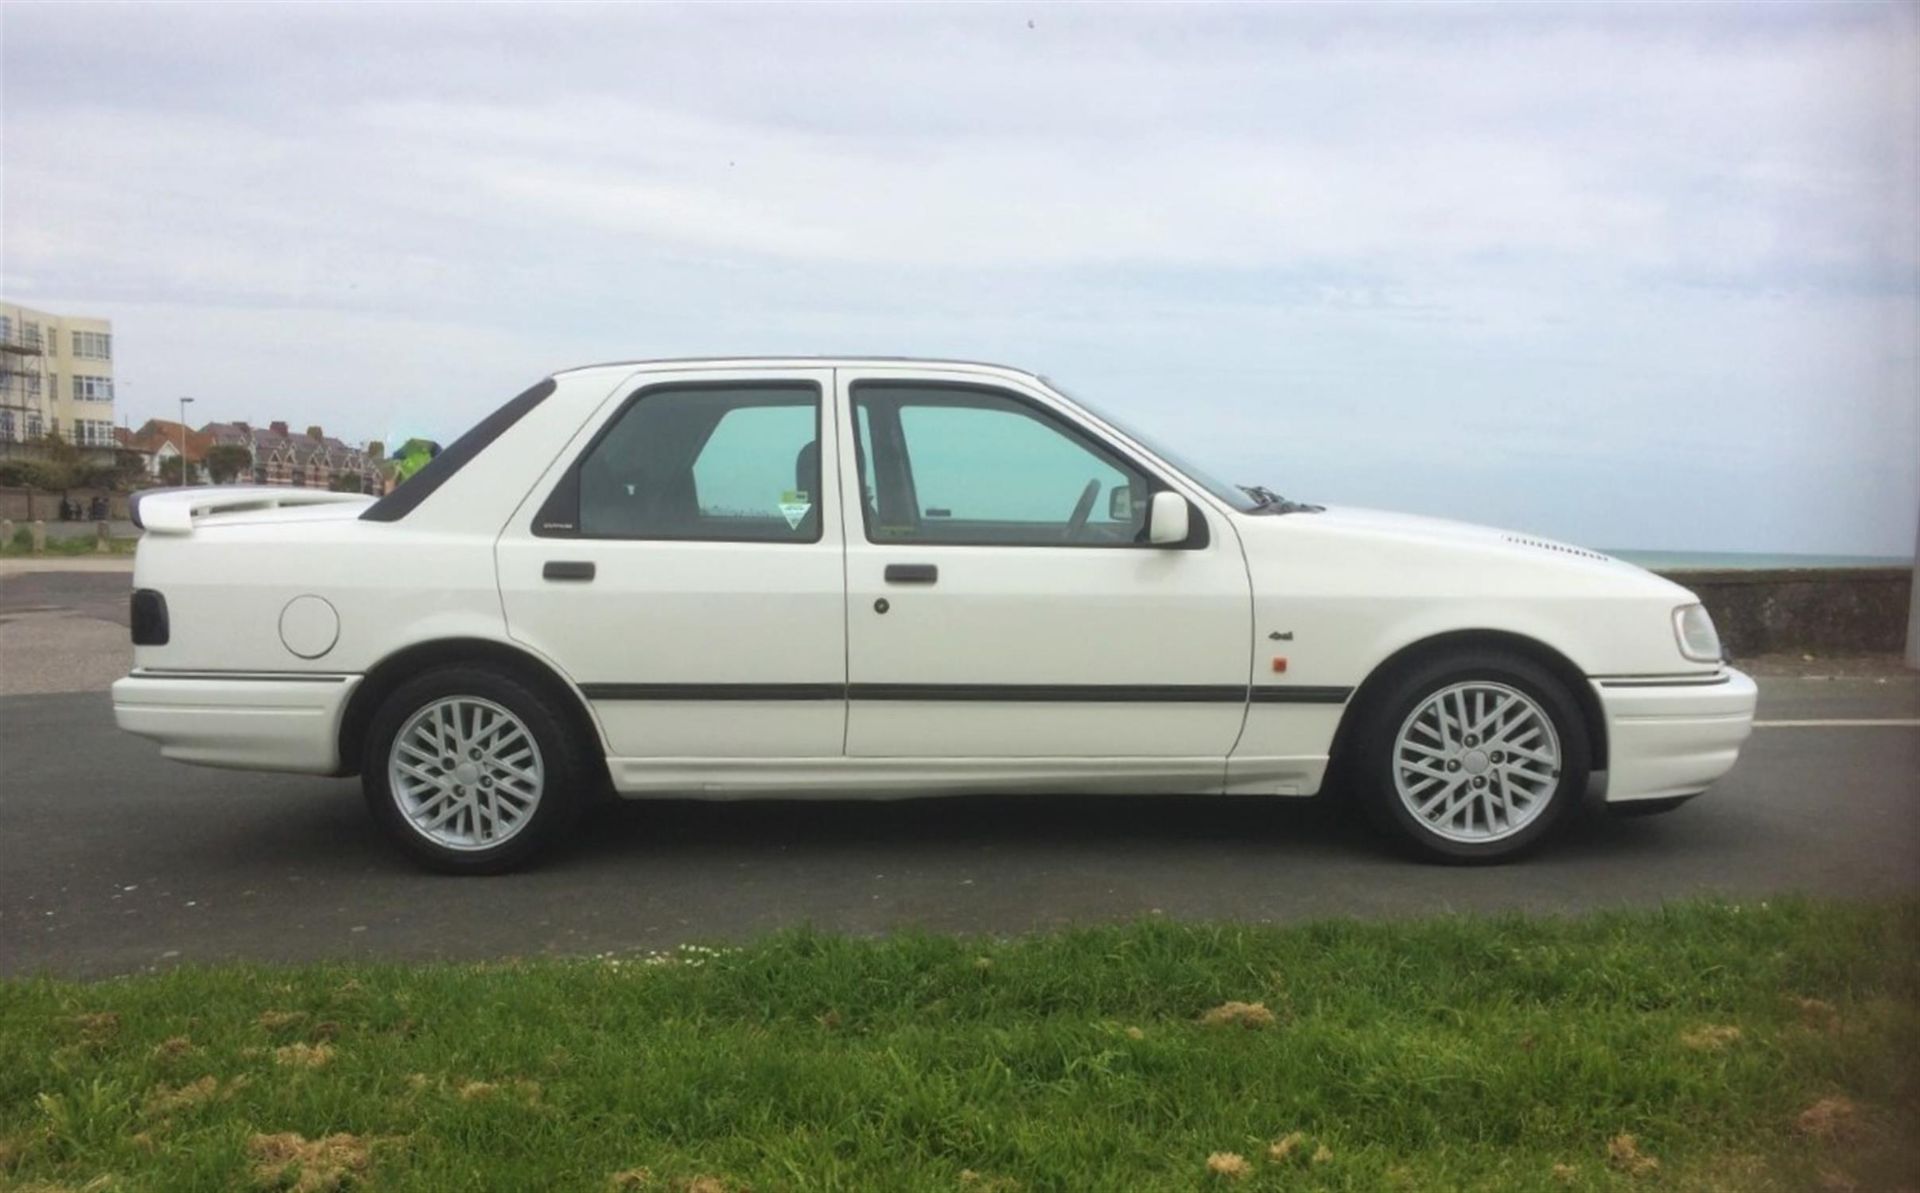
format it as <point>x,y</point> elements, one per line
<point>912,573</point>
<point>567,569</point>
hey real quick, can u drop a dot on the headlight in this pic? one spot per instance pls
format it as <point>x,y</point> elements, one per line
<point>1693,628</point>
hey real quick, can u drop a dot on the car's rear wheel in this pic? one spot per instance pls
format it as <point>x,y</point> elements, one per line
<point>1476,757</point>
<point>471,771</point>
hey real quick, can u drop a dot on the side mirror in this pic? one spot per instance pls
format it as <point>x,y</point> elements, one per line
<point>1167,520</point>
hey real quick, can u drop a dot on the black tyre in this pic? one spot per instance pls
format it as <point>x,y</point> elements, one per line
<point>1476,757</point>
<point>471,771</point>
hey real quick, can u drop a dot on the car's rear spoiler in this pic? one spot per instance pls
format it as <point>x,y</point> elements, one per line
<point>172,511</point>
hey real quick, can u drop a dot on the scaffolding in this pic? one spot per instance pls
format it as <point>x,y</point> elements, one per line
<point>24,393</point>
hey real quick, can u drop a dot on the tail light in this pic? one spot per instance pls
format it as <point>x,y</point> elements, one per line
<point>149,619</point>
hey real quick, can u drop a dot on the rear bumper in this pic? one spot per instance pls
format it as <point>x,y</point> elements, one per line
<point>250,720</point>
<point>1667,740</point>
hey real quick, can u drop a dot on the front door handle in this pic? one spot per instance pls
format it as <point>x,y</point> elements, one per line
<point>912,573</point>
<point>567,569</point>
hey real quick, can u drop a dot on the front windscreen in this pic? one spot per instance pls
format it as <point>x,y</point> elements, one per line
<point>1233,495</point>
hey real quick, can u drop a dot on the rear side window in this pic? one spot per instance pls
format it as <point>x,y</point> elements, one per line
<point>726,463</point>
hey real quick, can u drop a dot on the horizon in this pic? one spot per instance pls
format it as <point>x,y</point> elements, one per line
<point>1632,274</point>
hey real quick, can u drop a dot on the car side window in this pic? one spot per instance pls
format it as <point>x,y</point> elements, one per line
<point>964,466</point>
<point>726,463</point>
<point>863,428</point>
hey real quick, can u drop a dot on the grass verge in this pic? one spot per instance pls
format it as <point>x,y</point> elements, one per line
<point>21,546</point>
<point>1704,1046</point>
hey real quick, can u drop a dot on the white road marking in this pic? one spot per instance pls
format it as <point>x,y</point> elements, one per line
<point>1911,723</point>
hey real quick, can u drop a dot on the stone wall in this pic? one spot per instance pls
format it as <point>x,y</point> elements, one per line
<point>26,505</point>
<point>1818,611</point>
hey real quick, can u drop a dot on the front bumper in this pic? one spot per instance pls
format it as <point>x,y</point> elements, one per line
<point>249,720</point>
<point>1673,739</point>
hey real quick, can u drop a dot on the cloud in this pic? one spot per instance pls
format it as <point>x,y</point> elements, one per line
<point>1616,240</point>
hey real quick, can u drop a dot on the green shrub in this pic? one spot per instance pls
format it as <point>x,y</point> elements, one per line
<point>38,474</point>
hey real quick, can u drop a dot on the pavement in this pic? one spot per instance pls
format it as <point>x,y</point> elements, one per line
<point>113,860</point>
<point>118,528</point>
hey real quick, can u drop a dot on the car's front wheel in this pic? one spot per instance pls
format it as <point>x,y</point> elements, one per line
<point>1472,758</point>
<point>470,771</point>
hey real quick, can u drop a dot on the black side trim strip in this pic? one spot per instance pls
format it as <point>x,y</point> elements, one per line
<point>1300,694</point>
<point>243,676</point>
<point>1657,675</point>
<point>420,486</point>
<point>1716,681</point>
<point>971,693</point>
<point>1055,693</point>
<point>714,691</point>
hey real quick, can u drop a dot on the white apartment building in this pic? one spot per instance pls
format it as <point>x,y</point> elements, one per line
<point>56,374</point>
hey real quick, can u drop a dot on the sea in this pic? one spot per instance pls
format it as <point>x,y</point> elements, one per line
<point>1676,560</point>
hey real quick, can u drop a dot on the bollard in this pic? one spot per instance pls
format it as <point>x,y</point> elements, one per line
<point>6,533</point>
<point>101,535</point>
<point>39,536</point>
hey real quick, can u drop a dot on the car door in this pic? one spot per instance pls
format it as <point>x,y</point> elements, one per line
<point>1001,599</point>
<point>681,561</point>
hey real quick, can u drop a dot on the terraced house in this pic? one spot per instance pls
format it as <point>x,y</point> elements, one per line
<point>311,459</point>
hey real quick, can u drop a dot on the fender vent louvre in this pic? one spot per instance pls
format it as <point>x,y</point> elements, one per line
<point>1562,548</point>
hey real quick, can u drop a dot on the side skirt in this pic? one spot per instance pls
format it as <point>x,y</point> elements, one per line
<point>907,778</point>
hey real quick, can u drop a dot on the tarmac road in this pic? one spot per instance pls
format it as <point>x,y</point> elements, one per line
<point>113,860</point>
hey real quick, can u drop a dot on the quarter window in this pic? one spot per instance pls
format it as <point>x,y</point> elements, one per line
<point>727,463</point>
<point>955,465</point>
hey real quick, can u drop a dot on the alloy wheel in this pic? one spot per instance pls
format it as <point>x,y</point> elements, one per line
<point>1477,761</point>
<point>466,773</point>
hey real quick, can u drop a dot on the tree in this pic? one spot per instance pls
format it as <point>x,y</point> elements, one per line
<point>61,465</point>
<point>30,474</point>
<point>345,482</point>
<point>128,471</point>
<point>225,461</point>
<point>170,471</point>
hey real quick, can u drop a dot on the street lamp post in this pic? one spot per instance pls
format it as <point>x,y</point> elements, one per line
<point>183,441</point>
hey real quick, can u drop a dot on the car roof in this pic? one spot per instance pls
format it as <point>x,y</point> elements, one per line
<point>805,362</point>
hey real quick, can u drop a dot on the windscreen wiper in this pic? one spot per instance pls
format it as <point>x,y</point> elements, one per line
<point>1273,503</point>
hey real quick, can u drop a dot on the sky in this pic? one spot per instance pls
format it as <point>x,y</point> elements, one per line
<point>1628,276</point>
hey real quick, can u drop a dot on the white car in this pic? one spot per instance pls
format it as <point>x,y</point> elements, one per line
<point>879,577</point>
